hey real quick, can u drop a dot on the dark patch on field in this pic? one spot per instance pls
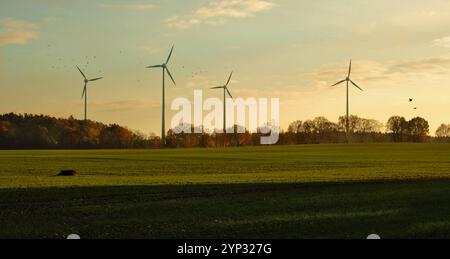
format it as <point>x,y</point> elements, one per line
<point>68,173</point>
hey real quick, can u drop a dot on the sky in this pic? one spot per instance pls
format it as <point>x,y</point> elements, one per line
<point>288,49</point>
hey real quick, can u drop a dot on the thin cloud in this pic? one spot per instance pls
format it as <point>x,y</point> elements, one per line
<point>16,32</point>
<point>218,12</point>
<point>369,69</point>
<point>151,50</point>
<point>125,105</point>
<point>50,20</point>
<point>442,42</point>
<point>205,82</point>
<point>367,72</point>
<point>199,82</point>
<point>428,65</point>
<point>137,7</point>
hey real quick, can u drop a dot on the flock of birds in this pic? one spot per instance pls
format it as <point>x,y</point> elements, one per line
<point>411,101</point>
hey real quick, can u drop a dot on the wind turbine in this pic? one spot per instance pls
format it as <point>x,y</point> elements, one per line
<point>225,91</point>
<point>164,70</point>
<point>85,90</point>
<point>348,80</point>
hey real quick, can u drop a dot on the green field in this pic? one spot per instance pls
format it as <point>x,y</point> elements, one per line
<point>321,191</point>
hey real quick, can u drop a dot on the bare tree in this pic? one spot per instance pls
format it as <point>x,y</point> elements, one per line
<point>443,131</point>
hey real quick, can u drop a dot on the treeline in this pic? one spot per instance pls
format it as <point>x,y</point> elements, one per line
<point>43,132</point>
<point>321,130</point>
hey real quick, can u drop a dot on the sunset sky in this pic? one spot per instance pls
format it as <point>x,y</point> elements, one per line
<point>291,49</point>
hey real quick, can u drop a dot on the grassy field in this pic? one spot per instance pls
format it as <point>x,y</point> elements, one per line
<point>323,191</point>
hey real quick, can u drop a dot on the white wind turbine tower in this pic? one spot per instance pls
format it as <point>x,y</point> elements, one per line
<point>164,70</point>
<point>85,90</point>
<point>225,91</point>
<point>348,81</point>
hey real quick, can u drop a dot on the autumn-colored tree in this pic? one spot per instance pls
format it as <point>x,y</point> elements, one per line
<point>38,131</point>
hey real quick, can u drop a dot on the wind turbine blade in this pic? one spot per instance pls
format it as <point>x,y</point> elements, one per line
<point>84,92</point>
<point>356,85</point>
<point>95,79</point>
<point>350,69</point>
<point>154,66</point>
<point>229,93</point>
<point>81,73</point>
<point>229,79</point>
<point>218,87</point>
<point>170,55</point>
<point>171,77</point>
<point>338,83</point>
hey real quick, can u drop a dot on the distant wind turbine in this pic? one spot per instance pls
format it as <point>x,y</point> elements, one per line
<point>348,80</point>
<point>85,90</point>
<point>164,70</point>
<point>225,91</point>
